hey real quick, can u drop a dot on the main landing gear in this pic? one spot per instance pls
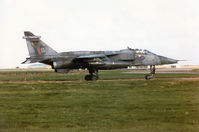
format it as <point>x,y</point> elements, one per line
<point>152,72</point>
<point>93,75</point>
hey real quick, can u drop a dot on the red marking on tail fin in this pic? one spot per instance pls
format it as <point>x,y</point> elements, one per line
<point>39,51</point>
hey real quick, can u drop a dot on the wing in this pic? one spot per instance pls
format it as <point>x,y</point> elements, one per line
<point>92,56</point>
<point>94,59</point>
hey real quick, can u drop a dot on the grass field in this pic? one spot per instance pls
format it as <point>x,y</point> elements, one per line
<point>118,102</point>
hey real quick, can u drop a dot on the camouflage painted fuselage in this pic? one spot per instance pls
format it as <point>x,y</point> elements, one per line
<point>104,59</point>
<point>63,62</point>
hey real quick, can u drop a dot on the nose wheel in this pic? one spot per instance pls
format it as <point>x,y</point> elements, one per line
<point>149,76</point>
<point>152,72</point>
<point>93,75</point>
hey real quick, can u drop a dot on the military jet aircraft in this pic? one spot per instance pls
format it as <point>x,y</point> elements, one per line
<point>91,60</point>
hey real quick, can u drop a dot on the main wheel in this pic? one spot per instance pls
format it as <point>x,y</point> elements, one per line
<point>91,77</point>
<point>94,77</point>
<point>88,77</point>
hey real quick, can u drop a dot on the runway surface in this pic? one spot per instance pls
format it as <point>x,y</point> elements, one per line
<point>101,80</point>
<point>163,70</point>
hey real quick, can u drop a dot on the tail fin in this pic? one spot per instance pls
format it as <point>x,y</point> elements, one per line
<point>37,47</point>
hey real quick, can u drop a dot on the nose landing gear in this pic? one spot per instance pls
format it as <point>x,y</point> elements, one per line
<point>93,75</point>
<point>152,72</point>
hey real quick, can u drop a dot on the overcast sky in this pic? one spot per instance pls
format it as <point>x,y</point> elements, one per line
<point>166,27</point>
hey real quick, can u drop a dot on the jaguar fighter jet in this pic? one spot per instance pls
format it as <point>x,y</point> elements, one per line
<point>92,60</point>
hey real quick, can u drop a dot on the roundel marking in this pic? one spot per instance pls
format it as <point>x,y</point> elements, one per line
<point>142,57</point>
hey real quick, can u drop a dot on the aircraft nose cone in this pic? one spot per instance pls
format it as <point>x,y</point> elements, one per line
<point>165,60</point>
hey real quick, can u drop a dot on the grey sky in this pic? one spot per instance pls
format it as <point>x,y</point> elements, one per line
<point>166,27</point>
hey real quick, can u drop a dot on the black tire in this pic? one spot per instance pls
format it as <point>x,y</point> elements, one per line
<point>94,78</point>
<point>91,78</point>
<point>88,78</point>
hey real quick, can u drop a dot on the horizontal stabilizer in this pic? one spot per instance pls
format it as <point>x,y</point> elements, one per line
<point>27,61</point>
<point>33,60</point>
